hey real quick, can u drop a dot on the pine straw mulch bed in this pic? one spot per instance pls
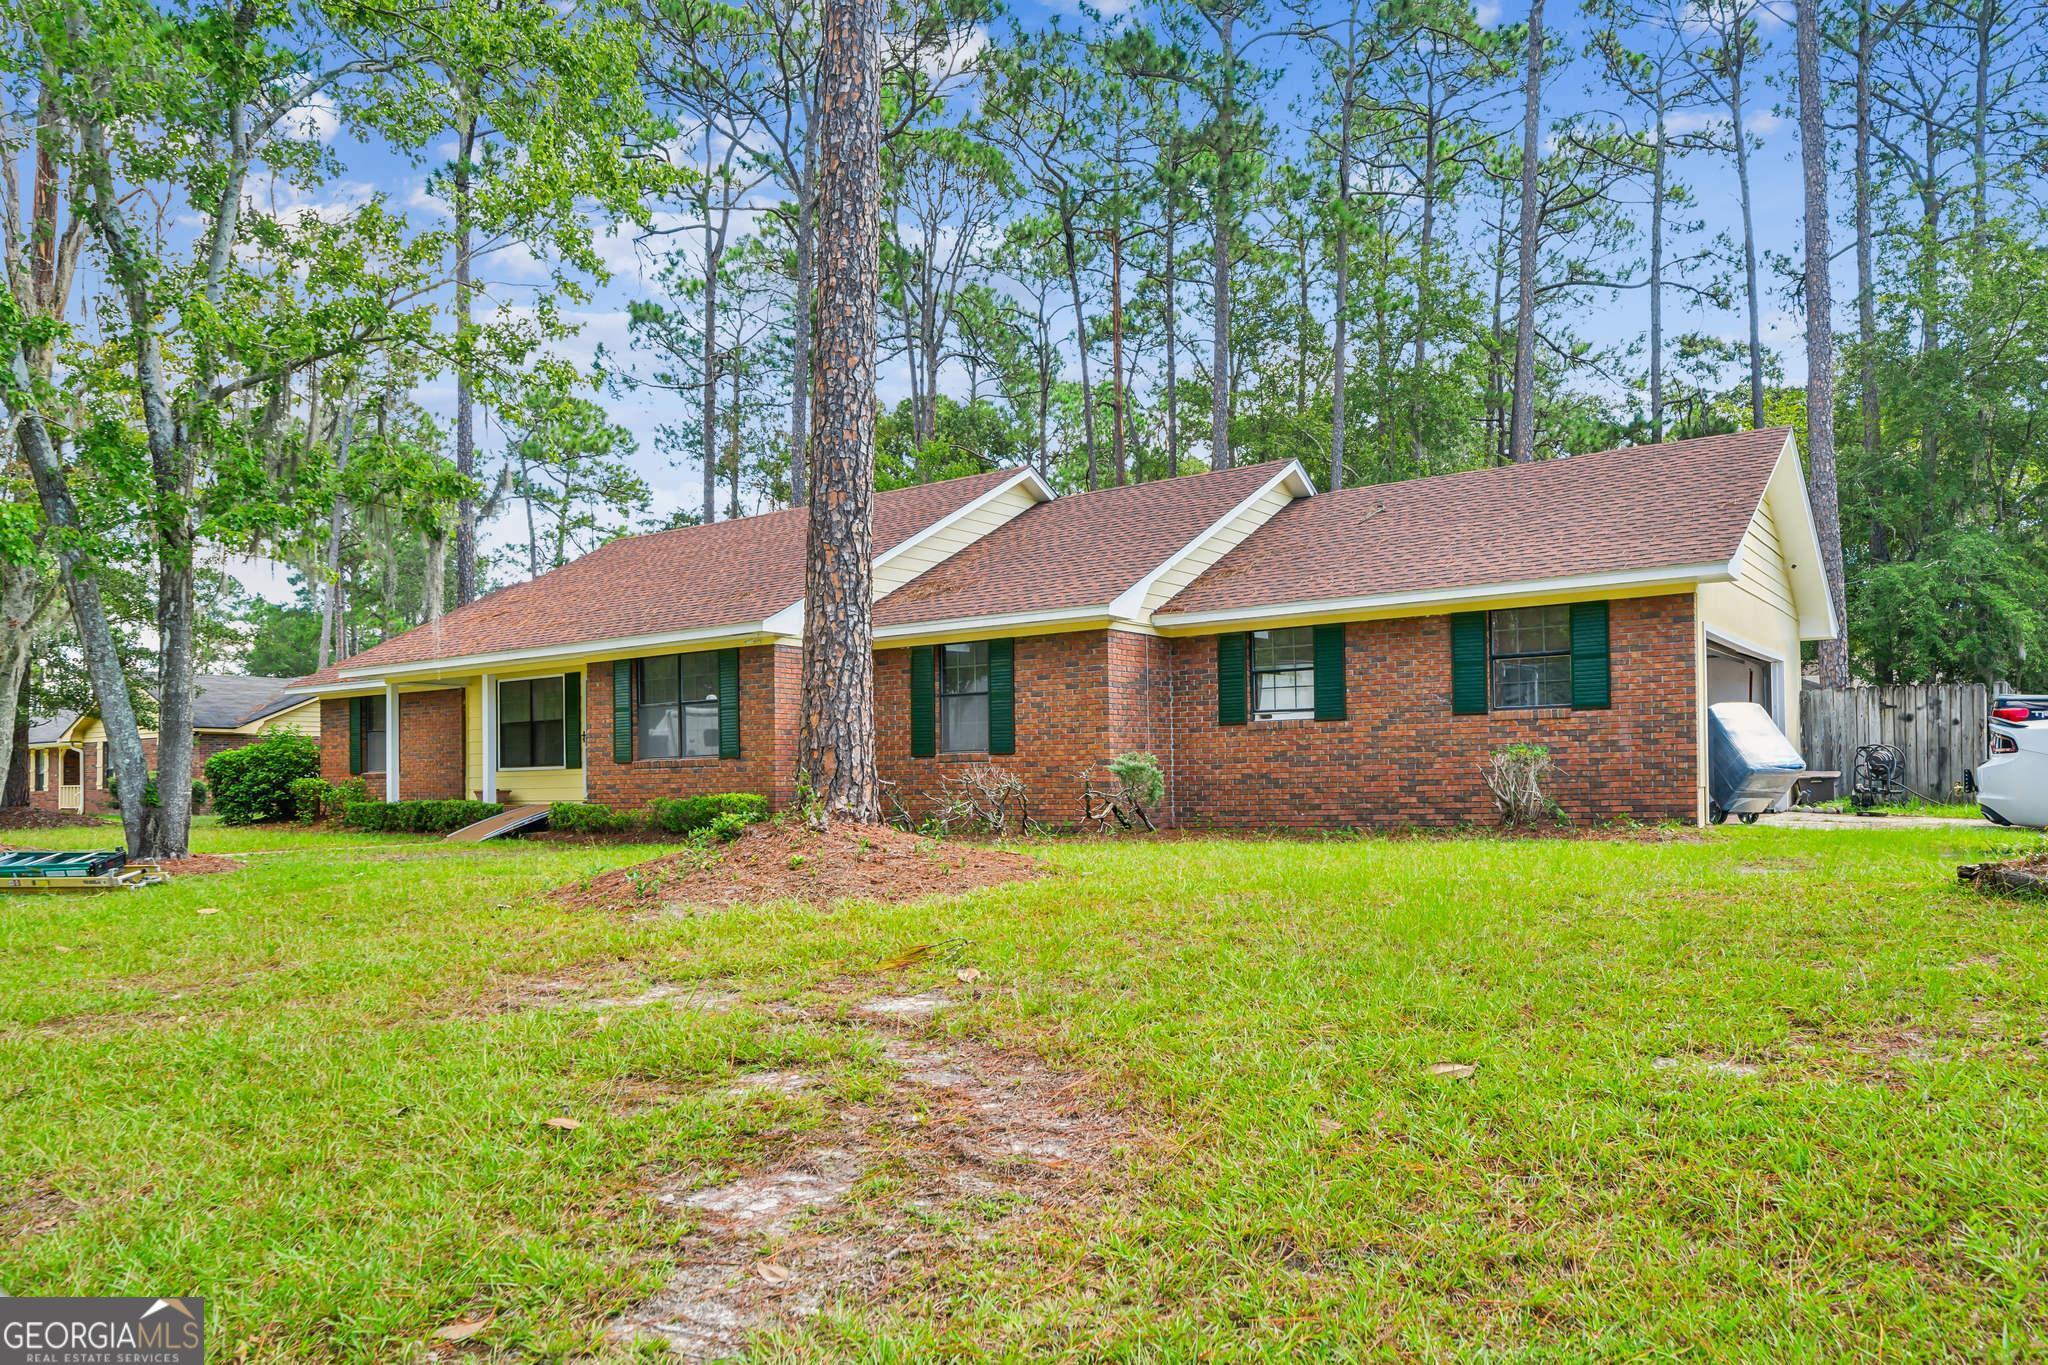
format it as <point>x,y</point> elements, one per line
<point>28,817</point>
<point>2028,874</point>
<point>192,864</point>
<point>789,860</point>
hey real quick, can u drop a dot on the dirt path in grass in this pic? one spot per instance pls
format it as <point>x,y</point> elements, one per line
<point>966,1143</point>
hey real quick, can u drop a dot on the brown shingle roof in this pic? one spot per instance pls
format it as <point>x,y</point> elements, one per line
<point>1082,550</point>
<point>1642,507</point>
<point>691,578</point>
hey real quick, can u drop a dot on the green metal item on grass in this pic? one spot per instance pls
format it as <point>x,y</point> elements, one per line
<point>32,869</point>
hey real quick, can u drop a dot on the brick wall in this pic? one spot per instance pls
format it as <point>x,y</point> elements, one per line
<point>431,746</point>
<point>770,685</point>
<point>1402,758</point>
<point>1064,714</point>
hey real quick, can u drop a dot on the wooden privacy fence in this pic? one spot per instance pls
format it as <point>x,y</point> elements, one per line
<point>1939,727</point>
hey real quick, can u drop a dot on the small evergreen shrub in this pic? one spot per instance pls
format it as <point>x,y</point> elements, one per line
<point>725,828</point>
<point>688,814</point>
<point>311,797</point>
<point>417,817</point>
<point>579,817</point>
<point>254,783</point>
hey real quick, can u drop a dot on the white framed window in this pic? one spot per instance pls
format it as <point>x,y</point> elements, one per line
<point>1284,673</point>
<point>1532,658</point>
<point>530,723</point>
<point>42,770</point>
<point>678,704</point>
<point>963,698</point>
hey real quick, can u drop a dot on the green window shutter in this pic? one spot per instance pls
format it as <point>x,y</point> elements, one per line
<point>1002,696</point>
<point>355,735</point>
<point>1230,679</point>
<point>1591,687</point>
<point>622,710</point>
<point>924,728</point>
<point>728,703</point>
<point>1329,642</point>
<point>572,720</point>
<point>1468,663</point>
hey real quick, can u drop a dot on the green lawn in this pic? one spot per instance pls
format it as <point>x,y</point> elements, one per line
<point>1766,1093</point>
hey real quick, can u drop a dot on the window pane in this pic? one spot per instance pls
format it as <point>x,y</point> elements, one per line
<point>1533,630</point>
<point>963,668</point>
<point>963,723</point>
<point>659,731</point>
<point>700,730</point>
<point>547,698</point>
<point>700,677</point>
<point>515,746</point>
<point>1541,680</point>
<point>1291,689</point>
<point>658,678</point>
<point>1293,648</point>
<point>547,744</point>
<point>515,702</point>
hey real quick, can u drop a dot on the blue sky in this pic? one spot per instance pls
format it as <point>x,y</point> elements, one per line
<point>512,277</point>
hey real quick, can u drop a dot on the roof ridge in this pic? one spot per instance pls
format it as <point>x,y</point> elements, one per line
<point>1562,461</point>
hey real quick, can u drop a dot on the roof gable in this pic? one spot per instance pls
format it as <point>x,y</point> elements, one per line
<point>1647,512</point>
<point>1080,553</point>
<point>726,575</point>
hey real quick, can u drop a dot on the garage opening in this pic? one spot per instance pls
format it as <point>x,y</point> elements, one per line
<point>1735,676</point>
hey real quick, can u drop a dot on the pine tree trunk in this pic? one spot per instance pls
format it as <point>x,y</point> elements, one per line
<point>1739,132</point>
<point>1073,262</point>
<point>1522,406</point>
<point>1820,342</point>
<point>1341,249</point>
<point>1657,191</point>
<point>800,335</point>
<point>465,400</point>
<point>1866,278</point>
<point>1116,354</point>
<point>1172,347</point>
<point>836,742</point>
<point>710,432</point>
<point>1219,264</point>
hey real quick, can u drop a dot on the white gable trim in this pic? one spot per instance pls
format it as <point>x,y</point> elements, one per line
<point>790,620</point>
<point>1130,605</point>
<point>1805,566</point>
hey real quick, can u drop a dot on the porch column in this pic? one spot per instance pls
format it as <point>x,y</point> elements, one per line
<point>487,716</point>
<point>390,741</point>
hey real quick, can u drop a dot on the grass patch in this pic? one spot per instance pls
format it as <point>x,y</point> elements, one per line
<point>1773,1091</point>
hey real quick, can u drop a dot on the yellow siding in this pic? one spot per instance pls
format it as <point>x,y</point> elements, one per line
<point>301,720</point>
<point>1220,543</point>
<point>903,567</point>
<point>517,785</point>
<point>1756,614</point>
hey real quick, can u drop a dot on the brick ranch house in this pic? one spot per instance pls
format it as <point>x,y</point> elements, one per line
<point>68,765</point>
<point>1342,659</point>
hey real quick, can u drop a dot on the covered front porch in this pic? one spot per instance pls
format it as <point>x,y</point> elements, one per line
<point>513,737</point>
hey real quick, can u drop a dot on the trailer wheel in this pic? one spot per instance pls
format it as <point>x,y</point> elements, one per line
<point>1715,815</point>
<point>1750,817</point>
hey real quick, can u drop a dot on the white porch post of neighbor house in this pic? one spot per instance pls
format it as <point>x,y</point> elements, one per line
<point>390,741</point>
<point>488,717</point>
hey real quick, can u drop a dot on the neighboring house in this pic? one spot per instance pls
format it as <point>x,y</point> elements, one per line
<point>68,765</point>
<point>1345,659</point>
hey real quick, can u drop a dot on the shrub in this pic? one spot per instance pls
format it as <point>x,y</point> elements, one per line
<point>983,797</point>
<point>725,828</point>
<point>254,782</point>
<point>1139,785</point>
<point>199,795</point>
<point>688,814</point>
<point>310,798</point>
<point>417,817</point>
<point>149,792</point>
<point>1515,775</point>
<point>577,817</point>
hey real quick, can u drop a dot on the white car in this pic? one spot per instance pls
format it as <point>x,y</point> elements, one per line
<point>2012,785</point>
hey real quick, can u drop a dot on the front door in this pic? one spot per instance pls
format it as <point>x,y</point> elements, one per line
<point>71,781</point>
